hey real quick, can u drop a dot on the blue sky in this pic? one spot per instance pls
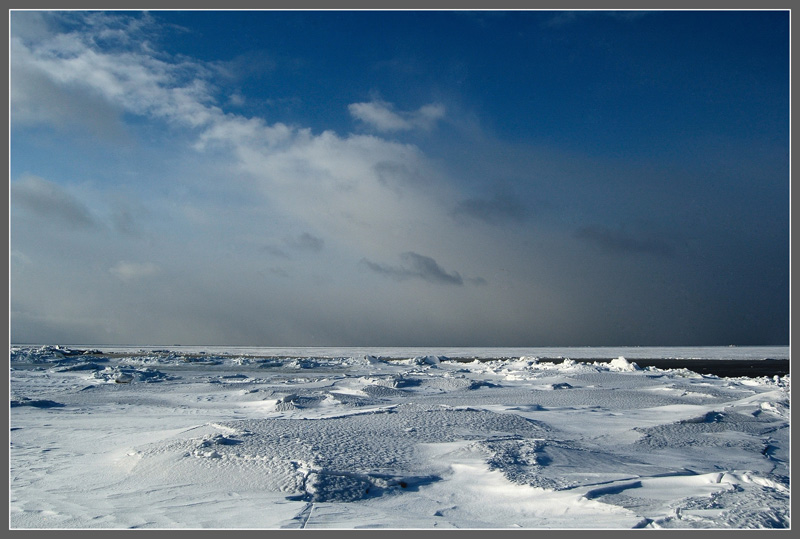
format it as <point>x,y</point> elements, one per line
<point>479,178</point>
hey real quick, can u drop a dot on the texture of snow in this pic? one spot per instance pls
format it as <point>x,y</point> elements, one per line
<point>343,438</point>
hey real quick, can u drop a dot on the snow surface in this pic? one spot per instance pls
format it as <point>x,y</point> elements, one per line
<point>193,437</point>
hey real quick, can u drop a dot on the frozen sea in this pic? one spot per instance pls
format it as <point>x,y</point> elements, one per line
<point>200,437</point>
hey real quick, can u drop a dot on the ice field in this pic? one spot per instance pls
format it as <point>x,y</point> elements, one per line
<point>194,437</point>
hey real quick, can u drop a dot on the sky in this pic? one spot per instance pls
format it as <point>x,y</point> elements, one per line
<point>399,178</point>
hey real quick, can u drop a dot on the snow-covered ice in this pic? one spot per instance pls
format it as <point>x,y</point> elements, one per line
<point>387,438</point>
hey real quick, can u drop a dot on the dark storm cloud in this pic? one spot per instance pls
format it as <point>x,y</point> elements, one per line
<point>306,242</point>
<point>618,241</point>
<point>275,251</point>
<point>417,267</point>
<point>50,202</point>
<point>500,208</point>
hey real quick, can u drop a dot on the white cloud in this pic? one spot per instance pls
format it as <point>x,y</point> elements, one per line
<point>37,98</point>
<point>48,74</point>
<point>379,116</point>
<point>236,99</point>
<point>427,115</point>
<point>382,117</point>
<point>333,185</point>
<point>131,271</point>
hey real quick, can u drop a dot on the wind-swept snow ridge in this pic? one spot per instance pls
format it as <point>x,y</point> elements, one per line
<point>195,438</point>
